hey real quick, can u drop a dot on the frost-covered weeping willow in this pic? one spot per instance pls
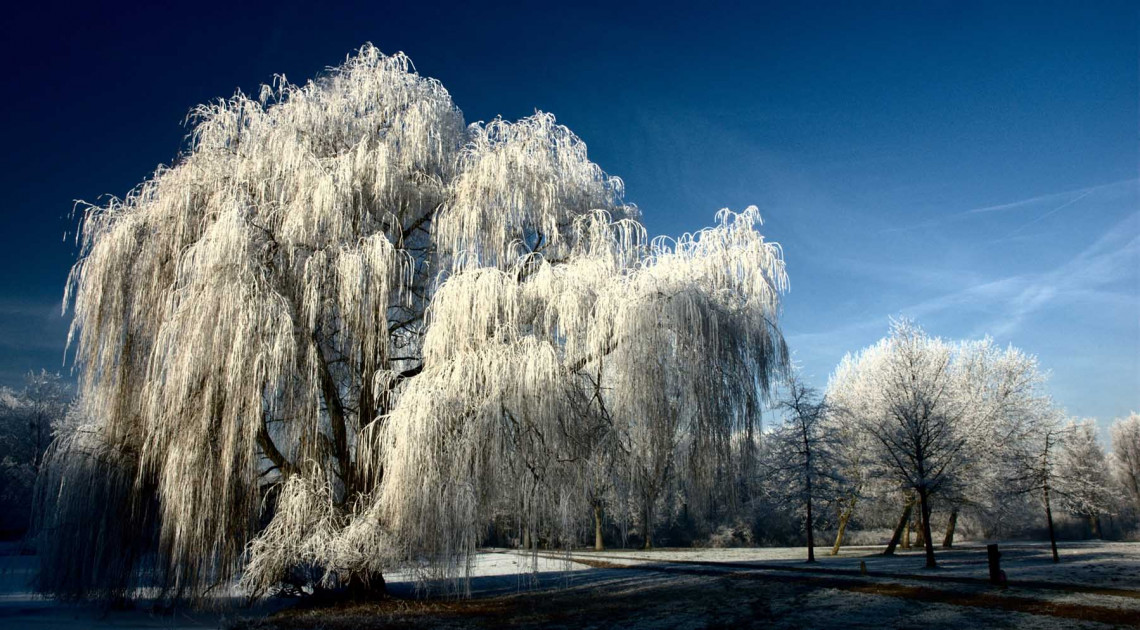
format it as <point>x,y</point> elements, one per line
<point>345,327</point>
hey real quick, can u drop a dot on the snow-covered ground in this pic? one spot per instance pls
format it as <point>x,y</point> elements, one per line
<point>503,571</point>
<point>1096,575</point>
<point>1098,564</point>
<point>683,588</point>
<point>697,587</point>
<point>491,574</point>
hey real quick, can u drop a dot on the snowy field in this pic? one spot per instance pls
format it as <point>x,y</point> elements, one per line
<point>1098,564</point>
<point>493,574</point>
<point>1097,585</point>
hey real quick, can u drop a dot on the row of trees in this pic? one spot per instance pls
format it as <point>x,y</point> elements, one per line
<point>964,425</point>
<point>813,451</point>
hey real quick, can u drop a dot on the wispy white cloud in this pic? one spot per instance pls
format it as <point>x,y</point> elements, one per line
<point>916,274</point>
<point>999,307</point>
<point>1050,213</point>
<point>1066,199</point>
<point>1112,259</point>
<point>1070,196</point>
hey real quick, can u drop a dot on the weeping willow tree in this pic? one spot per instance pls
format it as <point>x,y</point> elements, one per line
<point>344,327</point>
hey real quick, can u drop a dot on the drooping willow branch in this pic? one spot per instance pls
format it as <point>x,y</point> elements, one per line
<point>346,283</point>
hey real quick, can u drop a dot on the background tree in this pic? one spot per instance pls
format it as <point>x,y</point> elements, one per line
<point>1125,434</point>
<point>345,308</point>
<point>914,410</point>
<point>854,400</point>
<point>654,441</point>
<point>855,474</point>
<point>801,460</point>
<point>946,419</point>
<point>1084,485</point>
<point>28,420</point>
<point>1002,390</point>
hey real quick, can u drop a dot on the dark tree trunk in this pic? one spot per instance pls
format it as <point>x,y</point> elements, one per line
<point>907,508</point>
<point>365,588</point>
<point>810,524</point>
<point>948,541</point>
<point>906,544</point>
<point>335,409</point>
<point>924,505</point>
<point>1049,519</point>
<point>919,534</point>
<point>810,533</point>
<point>1094,523</point>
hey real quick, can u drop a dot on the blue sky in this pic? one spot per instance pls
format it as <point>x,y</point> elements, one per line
<point>973,165</point>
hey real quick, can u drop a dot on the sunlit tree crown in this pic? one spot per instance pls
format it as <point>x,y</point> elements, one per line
<point>345,310</point>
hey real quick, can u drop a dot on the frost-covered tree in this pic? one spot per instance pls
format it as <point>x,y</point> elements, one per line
<point>28,419</point>
<point>1084,484</point>
<point>345,326</point>
<point>855,394</point>
<point>907,390</point>
<point>1032,465</point>
<point>957,411</point>
<point>801,462</point>
<point>856,475</point>
<point>1004,399</point>
<point>1125,434</point>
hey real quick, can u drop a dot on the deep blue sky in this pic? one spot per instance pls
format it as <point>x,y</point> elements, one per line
<point>973,165</point>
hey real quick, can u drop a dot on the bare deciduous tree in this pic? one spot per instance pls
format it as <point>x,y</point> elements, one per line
<point>801,458</point>
<point>1031,463</point>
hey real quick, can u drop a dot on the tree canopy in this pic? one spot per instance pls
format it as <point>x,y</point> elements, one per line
<point>941,418</point>
<point>345,328</point>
